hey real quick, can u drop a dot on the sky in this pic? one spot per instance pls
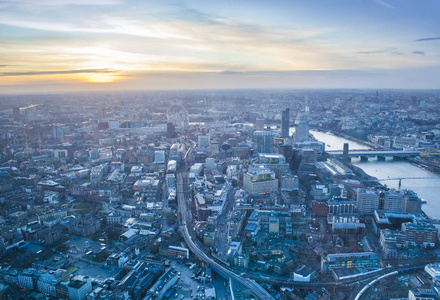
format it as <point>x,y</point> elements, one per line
<point>82,45</point>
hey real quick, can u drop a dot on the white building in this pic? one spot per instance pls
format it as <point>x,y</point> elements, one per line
<point>159,157</point>
<point>434,271</point>
<point>79,287</point>
<point>260,180</point>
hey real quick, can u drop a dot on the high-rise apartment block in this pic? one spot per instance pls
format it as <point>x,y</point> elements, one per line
<point>285,122</point>
<point>301,128</point>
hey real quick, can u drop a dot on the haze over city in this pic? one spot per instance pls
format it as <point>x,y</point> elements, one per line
<point>216,150</point>
<point>68,45</point>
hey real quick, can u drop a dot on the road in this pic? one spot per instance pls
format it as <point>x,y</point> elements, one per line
<point>185,220</point>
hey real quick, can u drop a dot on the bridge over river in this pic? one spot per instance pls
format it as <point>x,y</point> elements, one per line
<point>380,154</point>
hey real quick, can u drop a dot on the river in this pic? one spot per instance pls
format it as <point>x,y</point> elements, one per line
<point>427,189</point>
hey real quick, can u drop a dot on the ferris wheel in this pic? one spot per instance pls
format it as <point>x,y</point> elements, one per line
<point>178,115</point>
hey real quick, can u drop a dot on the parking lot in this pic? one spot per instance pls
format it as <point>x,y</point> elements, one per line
<point>187,287</point>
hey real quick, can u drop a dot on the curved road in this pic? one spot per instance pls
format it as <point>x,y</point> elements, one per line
<point>185,219</point>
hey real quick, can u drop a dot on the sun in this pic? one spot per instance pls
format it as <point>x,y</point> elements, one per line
<point>101,77</point>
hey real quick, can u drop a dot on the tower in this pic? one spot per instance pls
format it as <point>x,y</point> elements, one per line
<point>16,113</point>
<point>263,141</point>
<point>171,131</point>
<point>302,128</point>
<point>259,124</point>
<point>345,156</point>
<point>285,122</point>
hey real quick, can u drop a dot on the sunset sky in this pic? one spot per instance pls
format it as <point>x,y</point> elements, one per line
<point>79,45</point>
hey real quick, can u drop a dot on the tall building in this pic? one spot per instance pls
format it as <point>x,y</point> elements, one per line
<point>285,122</point>
<point>16,113</point>
<point>171,130</point>
<point>259,124</point>
<point>301,128</point>
<point>263,141</point>
<point>345,155</point>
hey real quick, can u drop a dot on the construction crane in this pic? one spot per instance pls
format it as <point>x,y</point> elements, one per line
<point>39,139</point>
<point>27,146</point>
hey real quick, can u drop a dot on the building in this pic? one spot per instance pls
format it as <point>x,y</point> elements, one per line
<point>433,270</point>
<point>171,130</point>
<point>301,128</point>
<point>204,141</point>
<point>159,156</point>
<point>289,183</point>
<point>149,188</point>
<point>412,233</point>
<point>422,294</point>
<point>259,124</point>
<point>420,233</point>
<point>177,152</point>
<point>263,141</point>
<point>60,153</point>
<point>164,283</point>
<point>178,252</point>
<point>303,274</point>
<point>394,201</point>
<point>274,224</point>
<point>259,180</point>
<point>97,173</point>
<point>285,123</point>
<point>79,287</point>
<point>367,201</point>
<point>26,279</point>
<point>16,113</point>
<point>113,124</point>
<point>412,203</point>
<point>349,260</point>
<point>47,281</point>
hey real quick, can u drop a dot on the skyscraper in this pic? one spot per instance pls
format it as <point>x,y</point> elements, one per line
<point>263,141</point>
<point>171,131</point>
<point>285,122</point>
<point>301,128</point>
<point>259,124</point>
<point>16,113</point>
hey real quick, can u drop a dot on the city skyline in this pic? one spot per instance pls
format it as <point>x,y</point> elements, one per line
<point>67,45</point>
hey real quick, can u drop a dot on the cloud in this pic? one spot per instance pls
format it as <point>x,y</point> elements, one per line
<point>383,3</point>
<point>419,52</point>
<point>427,39</point>
<point>370,52</point>
<point>57,3</point>
<point>387,51</point>
<point>86,71</point>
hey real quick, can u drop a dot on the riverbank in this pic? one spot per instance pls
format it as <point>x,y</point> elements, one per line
<point>418,161</point>
<point>422,181</point>
<point>348,137</point>
<point>424,164</point>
